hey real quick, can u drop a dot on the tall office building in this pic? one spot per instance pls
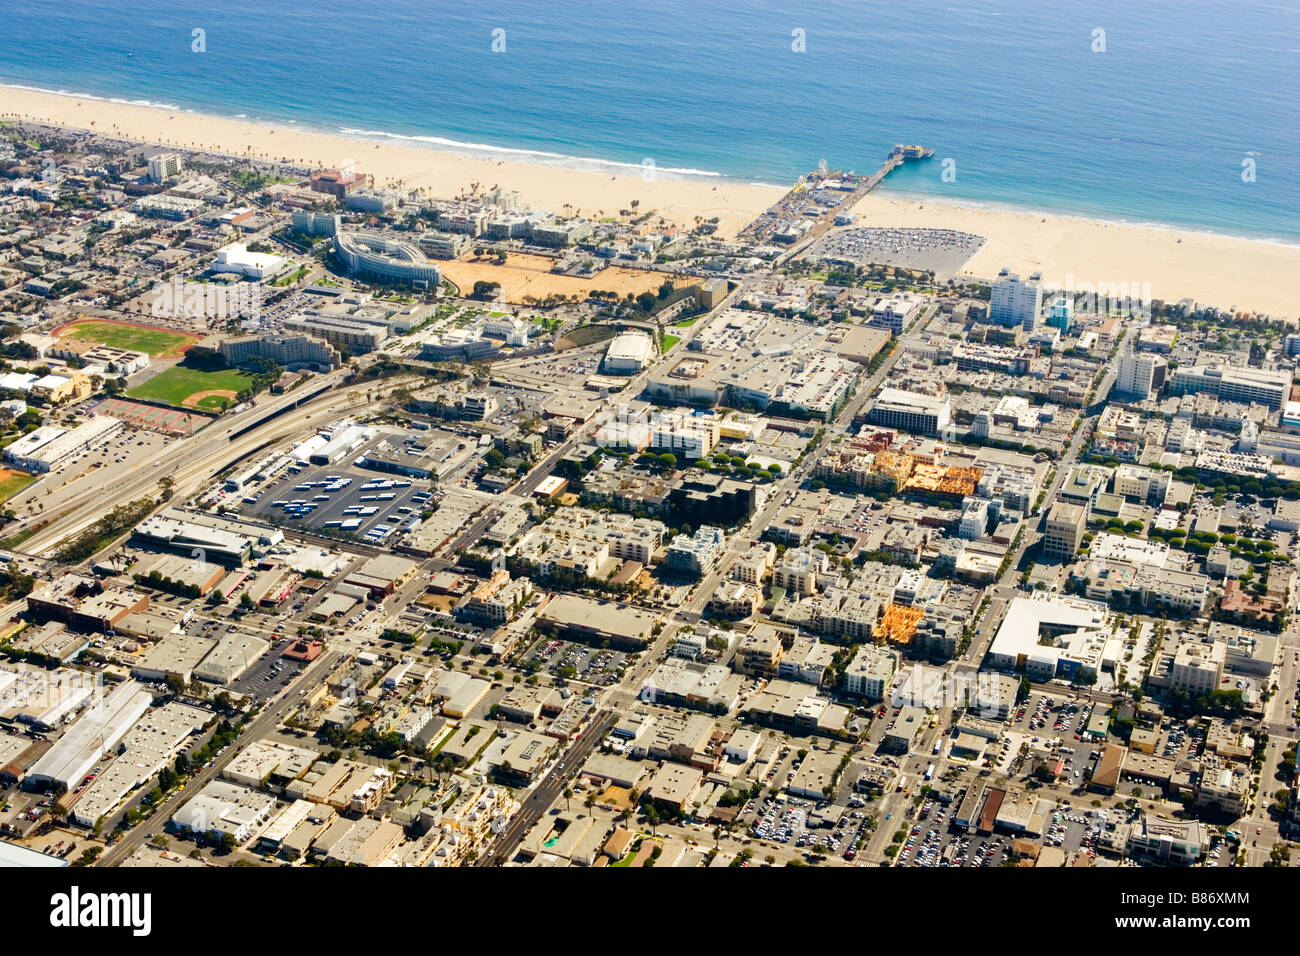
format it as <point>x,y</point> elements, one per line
<point>164,166</point>
<point>1016,303</point>
<point>1060,312</point>
<point>1063,530</point>
<point>1141,374</point>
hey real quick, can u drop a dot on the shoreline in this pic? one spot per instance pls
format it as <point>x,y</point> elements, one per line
<point>1000,206</point>
<point>541,157</point>
<point>1247,274</point>
<point>437,172</point>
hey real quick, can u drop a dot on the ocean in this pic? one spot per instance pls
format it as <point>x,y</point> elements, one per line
<point>1176,112</point>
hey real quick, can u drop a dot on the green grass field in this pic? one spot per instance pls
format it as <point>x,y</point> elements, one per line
<point>153,341</point>
<point>179,383</point>
<point>12,482</point>
<point>670,341</point>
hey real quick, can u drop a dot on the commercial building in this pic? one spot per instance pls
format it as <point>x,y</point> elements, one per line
<point>357,335</point>
<point>524,757</point>
<point>1159,840</point>
<point>147,747</point>
<point>459,692</point>
<point>338,183</point>
<point>174,655</point>
<point>1063,530</point>
<point>899,736</point>
<point>386,259</point>
<point>1141,374</point>
<point>84,602</point>
<point>753,357</point>
<point>382,574</point>
<point>695,554</point>
<point>1048,637</point>
<point>221,540</point>
<point>711,499</point>
<point>560,234</point>
<point>15,856</point>
<point>911,411</point>
<point>443,245</point>
<point>1060,312</point>
<point>1198,667</point>
<point>253,265</point>
<point>165,166</point>
<point>870,672</point>
<point>995,695</point>
<point>674,785</point>
<point>623,626</point>
<point>370,200</point>
<point>342,440</point>
<point>162,206</point>
<point>222,809</point>
<point>1271,388</point>
<point>465,345</point>
<point>97,732</point>
<point>232,656</point>
<point>49,446</point>
<point>316,223</point>
<point>498,600</point>
<point>628,353</point>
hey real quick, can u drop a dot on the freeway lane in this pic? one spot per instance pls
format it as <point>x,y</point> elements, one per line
<point>191,463</point>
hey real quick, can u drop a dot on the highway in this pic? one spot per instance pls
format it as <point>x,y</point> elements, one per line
<point>191,462</point>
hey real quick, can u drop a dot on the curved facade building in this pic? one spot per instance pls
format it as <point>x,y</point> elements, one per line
<point>389,260</point>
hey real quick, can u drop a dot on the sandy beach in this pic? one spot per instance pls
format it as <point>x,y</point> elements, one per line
<point>1249,275</point>
<point>440,173</point>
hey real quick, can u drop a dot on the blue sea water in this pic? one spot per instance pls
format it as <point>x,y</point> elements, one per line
<point>1155,128</point>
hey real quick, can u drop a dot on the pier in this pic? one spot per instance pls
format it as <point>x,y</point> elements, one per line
<point>802,215</point>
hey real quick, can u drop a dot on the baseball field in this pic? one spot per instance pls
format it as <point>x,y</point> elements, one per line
<point>192,388</point>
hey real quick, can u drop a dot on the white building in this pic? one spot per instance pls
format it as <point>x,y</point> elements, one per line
<point>255,265</point>
<point>98,732</point>
<point>1138,374</point>
<point>870,672</point>
<point>1016,303</point>
<point>696,553</point>
<point>164,166</point>
<point>49,446</point>
<point>895,312</point>
<point>628,353</point>
<point>223,808</point>
<point>911,411</point>
<point>974,519</point>
<point>1198,667</point>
